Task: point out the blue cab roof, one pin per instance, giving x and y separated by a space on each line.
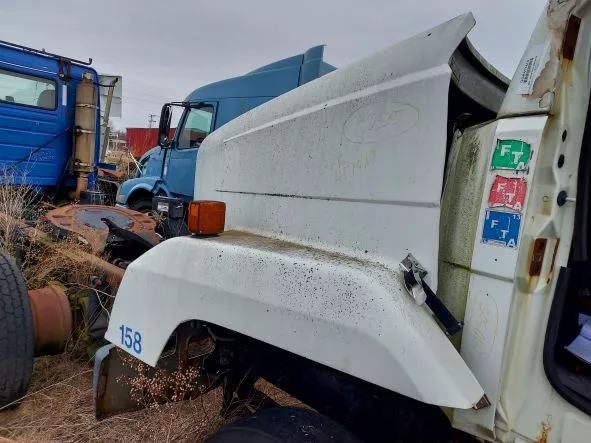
270 80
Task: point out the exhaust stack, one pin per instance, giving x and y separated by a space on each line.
85 120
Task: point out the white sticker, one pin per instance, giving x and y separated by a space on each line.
536 59
162 207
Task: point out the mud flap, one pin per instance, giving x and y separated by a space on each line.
122 383
111 396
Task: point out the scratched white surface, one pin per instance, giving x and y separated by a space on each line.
351 162
492 282
349 314
347 172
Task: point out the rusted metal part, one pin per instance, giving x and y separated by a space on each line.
484 402
557 15
109 173
111 394
52 319
540 263
570 37
546 428
116 373
537 257
113 274
85 222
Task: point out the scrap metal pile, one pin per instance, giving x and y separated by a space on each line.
44 319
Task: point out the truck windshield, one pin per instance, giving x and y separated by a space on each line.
196 126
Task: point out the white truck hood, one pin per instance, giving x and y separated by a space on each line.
350 163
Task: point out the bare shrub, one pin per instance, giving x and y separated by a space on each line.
151 387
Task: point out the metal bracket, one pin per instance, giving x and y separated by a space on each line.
484 402
413 278
414 274
65 69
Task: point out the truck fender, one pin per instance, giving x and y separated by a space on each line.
152 185
338 311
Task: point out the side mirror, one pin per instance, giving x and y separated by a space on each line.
164 126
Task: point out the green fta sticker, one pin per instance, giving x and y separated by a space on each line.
511 154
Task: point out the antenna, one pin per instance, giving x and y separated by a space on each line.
151 120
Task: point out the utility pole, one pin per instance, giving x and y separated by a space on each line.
151 119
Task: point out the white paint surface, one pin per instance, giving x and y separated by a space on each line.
492 281
351 162
350 314
338 180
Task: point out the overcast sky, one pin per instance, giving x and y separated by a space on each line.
165 49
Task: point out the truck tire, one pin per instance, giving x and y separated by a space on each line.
284 425
142 205
16 333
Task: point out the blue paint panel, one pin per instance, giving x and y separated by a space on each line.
270 80
501 228
23 129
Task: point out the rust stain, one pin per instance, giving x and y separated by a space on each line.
546 428
557 15
551 270
570 37
536 256
567 66
546 205
535 262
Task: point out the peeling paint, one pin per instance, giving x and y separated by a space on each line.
546 428
536 258
540 263
557 15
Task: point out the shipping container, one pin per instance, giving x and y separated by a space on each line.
140 140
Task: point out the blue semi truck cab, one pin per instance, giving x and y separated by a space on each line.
170 170
49 122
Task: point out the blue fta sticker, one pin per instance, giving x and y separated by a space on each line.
501 228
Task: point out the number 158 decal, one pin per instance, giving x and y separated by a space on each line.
131 339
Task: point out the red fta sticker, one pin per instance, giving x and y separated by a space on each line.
508 193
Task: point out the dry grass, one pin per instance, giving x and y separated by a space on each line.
22 210
59 408
18 204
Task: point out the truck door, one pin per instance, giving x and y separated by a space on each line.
31 125
179 169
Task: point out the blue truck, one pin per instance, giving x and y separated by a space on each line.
170 170
49 122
